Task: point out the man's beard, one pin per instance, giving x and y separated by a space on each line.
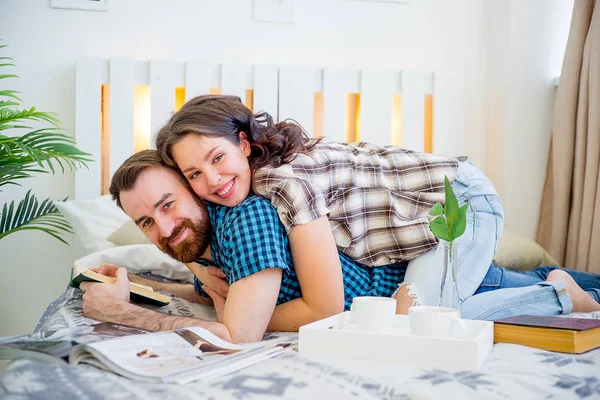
194 245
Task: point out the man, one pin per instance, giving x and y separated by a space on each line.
250 244
158 200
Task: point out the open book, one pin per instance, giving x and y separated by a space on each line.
179 356
139 293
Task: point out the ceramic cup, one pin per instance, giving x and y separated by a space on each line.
371 313
436 322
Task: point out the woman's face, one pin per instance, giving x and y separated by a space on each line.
217 169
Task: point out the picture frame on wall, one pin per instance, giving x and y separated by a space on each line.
91 5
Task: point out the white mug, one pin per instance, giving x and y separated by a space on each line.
371 313
436 322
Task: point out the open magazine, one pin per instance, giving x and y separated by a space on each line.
179 356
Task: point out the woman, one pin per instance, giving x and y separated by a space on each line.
370 202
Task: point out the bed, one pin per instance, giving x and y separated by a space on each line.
119 101
511 371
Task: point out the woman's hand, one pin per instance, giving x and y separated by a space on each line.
218 301
213 278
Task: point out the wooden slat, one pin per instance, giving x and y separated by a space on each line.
376 97
297 86
337 83
266 86
449 115
200 78
88 123
235 79
413 109
162 94
122 82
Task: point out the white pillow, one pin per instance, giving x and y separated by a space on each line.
128 233
137 259
93 220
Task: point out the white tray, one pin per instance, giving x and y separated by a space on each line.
332 339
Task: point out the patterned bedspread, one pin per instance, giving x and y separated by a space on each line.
510 371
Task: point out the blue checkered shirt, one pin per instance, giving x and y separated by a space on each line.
250 238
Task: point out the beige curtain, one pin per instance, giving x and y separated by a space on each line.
569 225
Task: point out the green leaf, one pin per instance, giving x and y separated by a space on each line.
10 116
10 93
461 223
436 210
439 228
30 215
451 206
4 103
35 151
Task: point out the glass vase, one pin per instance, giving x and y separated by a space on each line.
449 287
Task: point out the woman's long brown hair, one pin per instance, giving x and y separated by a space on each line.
225 117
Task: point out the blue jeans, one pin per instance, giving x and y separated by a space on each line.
476 247
501 278
505 293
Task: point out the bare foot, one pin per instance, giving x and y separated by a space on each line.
404 300
582 302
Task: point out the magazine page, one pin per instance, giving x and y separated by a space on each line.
58 344
179 356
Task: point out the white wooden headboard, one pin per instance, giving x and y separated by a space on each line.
284 92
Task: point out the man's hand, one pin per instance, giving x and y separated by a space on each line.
106 269
214 278
104 301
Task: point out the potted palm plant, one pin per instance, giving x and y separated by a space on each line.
26 150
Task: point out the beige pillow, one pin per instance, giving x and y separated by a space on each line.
518 252
128 234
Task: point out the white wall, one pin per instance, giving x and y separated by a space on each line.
526 44
433 34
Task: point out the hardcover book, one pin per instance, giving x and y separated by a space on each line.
566 335
138 293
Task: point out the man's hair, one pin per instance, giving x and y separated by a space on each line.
129 172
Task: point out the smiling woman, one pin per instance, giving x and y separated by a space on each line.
223 176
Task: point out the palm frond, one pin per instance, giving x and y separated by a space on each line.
42 146
11 94
6 103
10 174
5 76
8 117
36 151
32 215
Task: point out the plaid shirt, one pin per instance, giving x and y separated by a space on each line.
377 198
250 238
